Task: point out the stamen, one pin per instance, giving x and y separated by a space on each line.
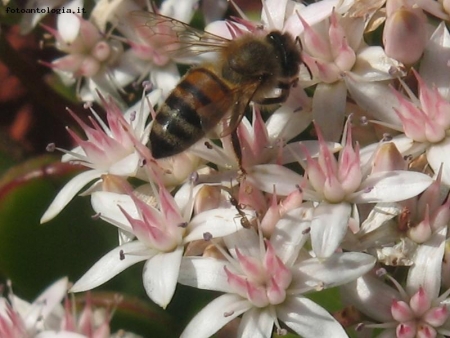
50 147
228 314
133 116
368 189
386 137
207 236
194 177
147 85
381 272
359 327
281 332
239 10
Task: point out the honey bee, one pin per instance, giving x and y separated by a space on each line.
254 67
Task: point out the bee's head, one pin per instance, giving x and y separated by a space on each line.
287 52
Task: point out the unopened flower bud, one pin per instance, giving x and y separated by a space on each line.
207 198
404 35
387 157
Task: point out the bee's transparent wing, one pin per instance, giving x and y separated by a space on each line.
173 37
221 118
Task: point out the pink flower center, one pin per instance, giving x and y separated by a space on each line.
261 281
418 318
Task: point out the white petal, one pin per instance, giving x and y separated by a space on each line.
434 64
290 235
439 154
111 264
266 176
215 154
309 319
46 302
180 10
68 23
373 64
115 13
246 240
328 227
336 270
106 204
293 117
426 271
354 28
217 222
29 21
129 66
215 315
204 273
66 194
329 103
391 186
312 14
379 215
374 97
256 323
165 78
371 296
127 166
141 108
102 82
184 198
276 11
313 147
160 276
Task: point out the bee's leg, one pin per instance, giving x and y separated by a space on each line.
237 150
284 88
274 100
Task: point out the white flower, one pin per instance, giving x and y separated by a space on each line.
336 185
264 280
160 238
109 149
416 311
20 319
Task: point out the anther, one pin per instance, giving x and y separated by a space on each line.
50 147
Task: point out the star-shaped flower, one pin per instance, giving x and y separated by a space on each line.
264 280
416 311
160 232
109 149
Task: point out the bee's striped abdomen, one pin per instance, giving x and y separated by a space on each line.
184 118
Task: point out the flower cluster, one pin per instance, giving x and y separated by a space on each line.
262 213
46 317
